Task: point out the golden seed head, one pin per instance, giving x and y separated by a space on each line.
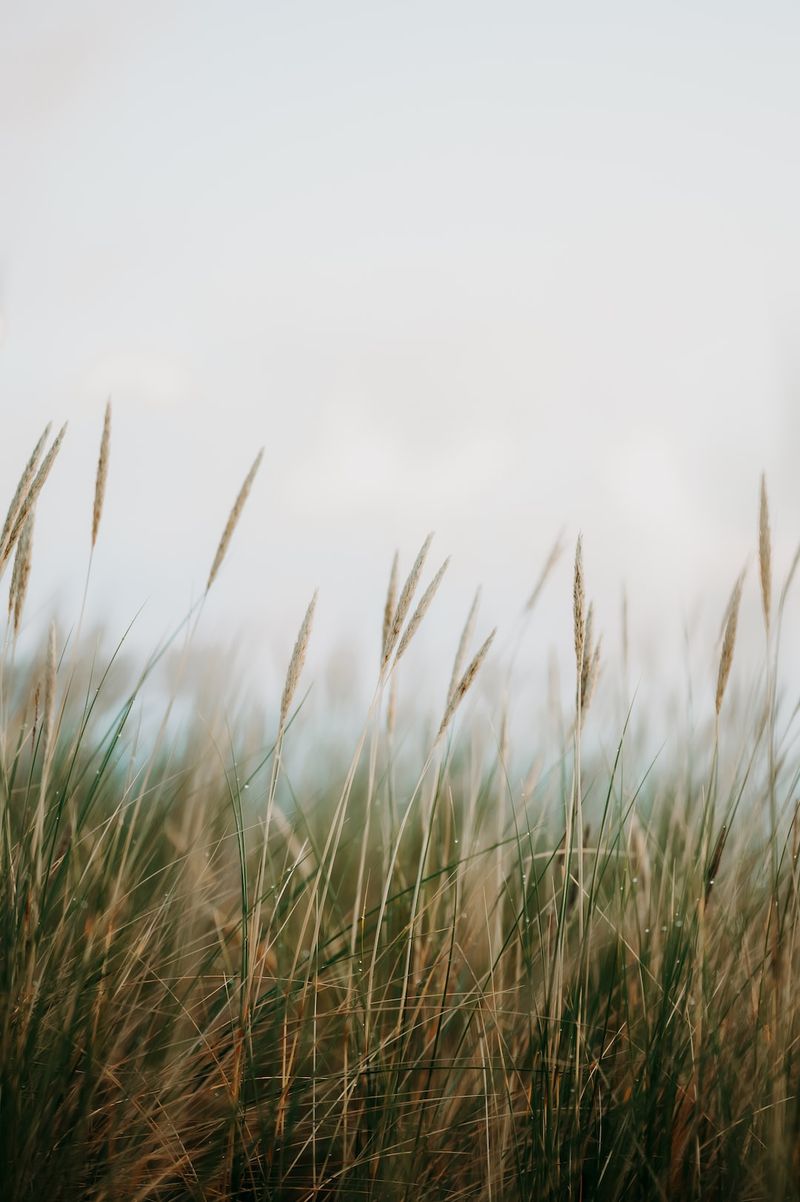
421 610
728 641
406 597
463 643
233 518
578 602
391 602
21 571
22 488
102 473
28 490
464 683
297 661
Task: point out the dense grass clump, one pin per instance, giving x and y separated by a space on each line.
222 980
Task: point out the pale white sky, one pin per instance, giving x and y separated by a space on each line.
485 268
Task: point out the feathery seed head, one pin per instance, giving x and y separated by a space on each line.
464 683
233 518
406 597
21 571
421 610
22 487
297 661
102 473
728 641
464 642
391 601
578 602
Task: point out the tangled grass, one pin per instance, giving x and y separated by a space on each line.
442 984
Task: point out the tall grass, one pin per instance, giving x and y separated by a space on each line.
222 980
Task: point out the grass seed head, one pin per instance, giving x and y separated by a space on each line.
421 610
20 575
578 603
297 661
31 496
463 643
464 683
728 641
406 597
102 473
391 602
553 557
233 518
22 487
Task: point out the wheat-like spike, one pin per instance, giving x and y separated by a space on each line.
21 572
22 488
588 636
578 602
102 473
391 601
233 518
728 641
765 552
464 683
31 496
421 610
591 677
553 557
464 642
406 597
297 661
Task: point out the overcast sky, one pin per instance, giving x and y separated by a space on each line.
491 269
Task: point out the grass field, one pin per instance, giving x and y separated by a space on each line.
445 981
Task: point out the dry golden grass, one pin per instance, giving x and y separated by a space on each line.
506 964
